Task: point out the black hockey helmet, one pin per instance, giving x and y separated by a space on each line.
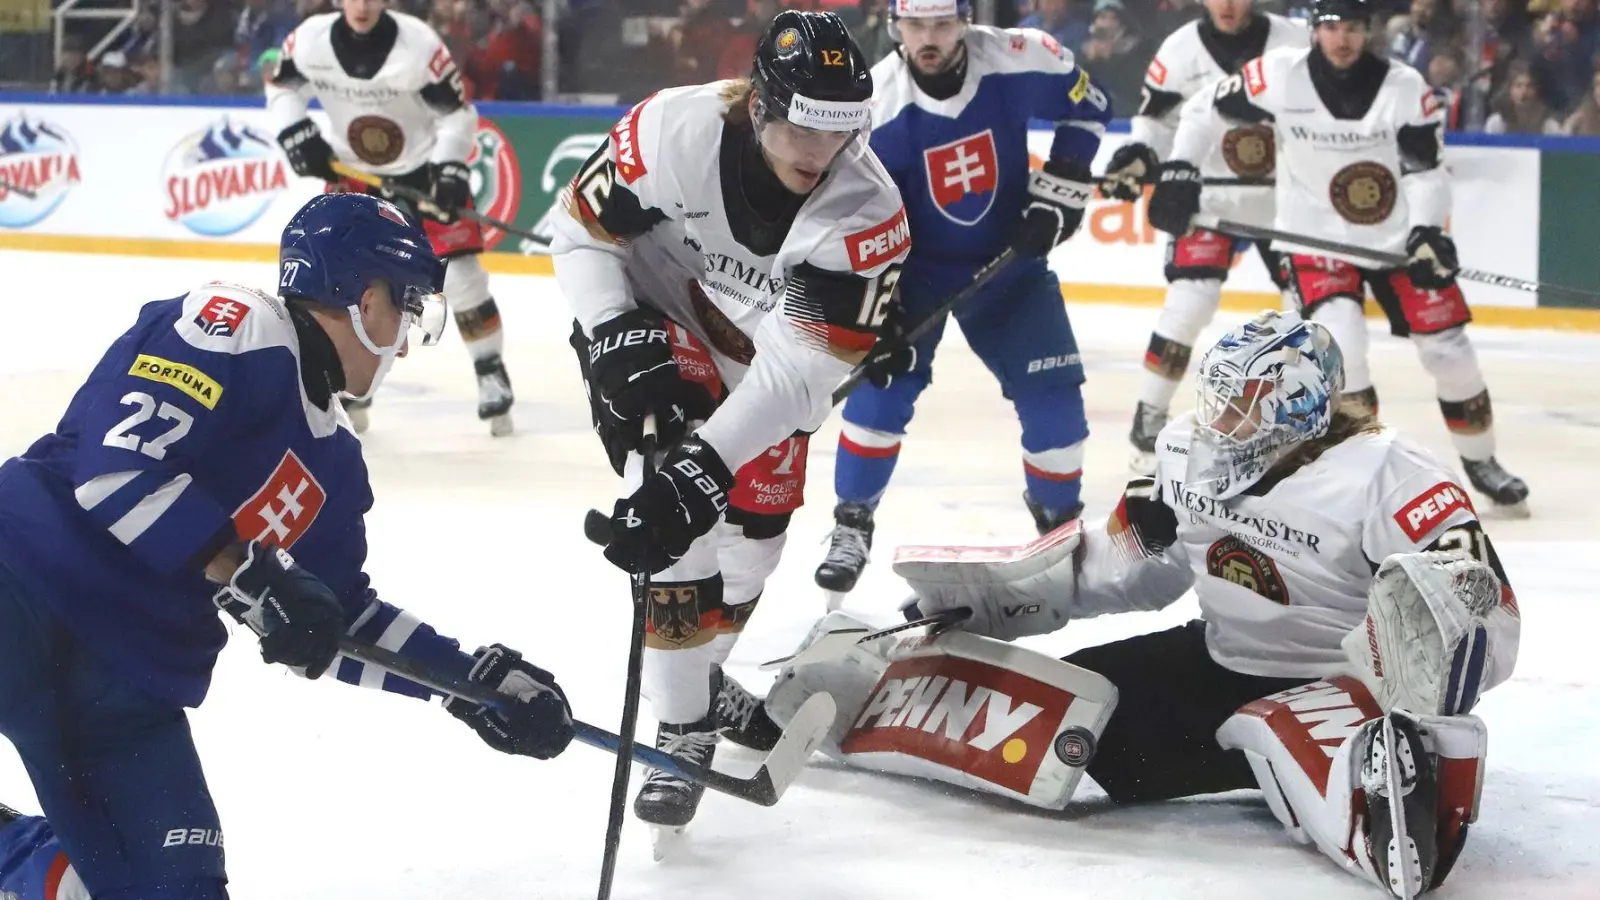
1340 10
810 55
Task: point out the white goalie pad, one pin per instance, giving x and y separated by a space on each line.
1425 646
958 708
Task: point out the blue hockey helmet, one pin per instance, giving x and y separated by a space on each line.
339 244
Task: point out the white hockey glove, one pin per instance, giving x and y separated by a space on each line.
1423 646
1012 591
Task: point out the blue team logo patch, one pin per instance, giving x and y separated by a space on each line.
962 177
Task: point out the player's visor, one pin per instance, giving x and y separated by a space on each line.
814 132
420 309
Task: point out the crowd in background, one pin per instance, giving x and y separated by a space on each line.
1510 66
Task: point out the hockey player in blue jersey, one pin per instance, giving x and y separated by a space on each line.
950 123
206 444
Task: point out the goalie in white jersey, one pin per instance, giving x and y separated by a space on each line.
1341 575
397 108
730 254
1193 59
1359 147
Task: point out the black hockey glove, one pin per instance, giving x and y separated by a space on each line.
684 499
1130 167
1434 263
536 719
893 355
1176 199
298 618
450 187
1057 195
309 155
631 374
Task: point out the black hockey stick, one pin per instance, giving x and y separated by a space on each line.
979 280
7 187
837 643
630 694
425 204
1396 260
765 787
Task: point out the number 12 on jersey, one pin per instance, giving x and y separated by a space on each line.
875 301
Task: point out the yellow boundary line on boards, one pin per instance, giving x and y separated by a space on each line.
1554 318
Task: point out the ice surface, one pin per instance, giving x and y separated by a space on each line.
330 791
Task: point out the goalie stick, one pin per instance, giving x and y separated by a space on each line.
836 644
1396 260
425 204
778 770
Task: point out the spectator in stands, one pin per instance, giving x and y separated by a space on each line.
1586 120
695 45
1062 19
740 49
1446 72
1520 108
74 73
1565 42
143 37
202 30
1415 36
869 25
1116 56
148 69
262 24
506 64
112 75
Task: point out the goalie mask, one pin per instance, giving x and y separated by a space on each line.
1265 388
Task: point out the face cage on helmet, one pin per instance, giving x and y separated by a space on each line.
1240 434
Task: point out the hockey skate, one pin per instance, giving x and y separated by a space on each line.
1400 777
849 546
1147 423
494 395
742 717
356 409
1507 492
1047 521
667 802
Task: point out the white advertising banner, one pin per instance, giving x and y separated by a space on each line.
215 175
1495 223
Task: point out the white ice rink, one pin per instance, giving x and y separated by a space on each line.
329 791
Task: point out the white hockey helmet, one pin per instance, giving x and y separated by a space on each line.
927 9
1266 387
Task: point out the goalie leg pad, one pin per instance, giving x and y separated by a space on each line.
967 710
850 678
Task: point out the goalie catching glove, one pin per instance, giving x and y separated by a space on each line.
1012 591
535 720
297 617
1424 646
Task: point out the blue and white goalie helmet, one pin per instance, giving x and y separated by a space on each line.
1267 386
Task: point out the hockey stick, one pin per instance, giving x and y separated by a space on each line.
630 694
836 644
7 187
425 204
1396 260
979 280
765 787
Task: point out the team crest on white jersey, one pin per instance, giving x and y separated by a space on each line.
963 175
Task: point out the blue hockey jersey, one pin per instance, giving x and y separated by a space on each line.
962 163
193 428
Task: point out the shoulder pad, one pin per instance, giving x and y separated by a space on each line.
309 34
862 219
229 318
1019 50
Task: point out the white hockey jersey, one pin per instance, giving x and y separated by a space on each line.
658 218
1362 179
1192 59
1282 576
409 110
